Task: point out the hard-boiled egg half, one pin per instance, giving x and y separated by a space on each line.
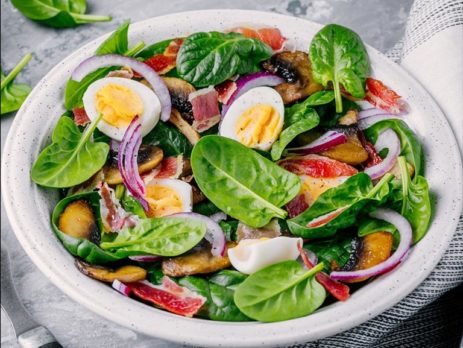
168 196
251 255
255 119
119 100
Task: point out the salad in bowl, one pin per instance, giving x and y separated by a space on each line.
230 177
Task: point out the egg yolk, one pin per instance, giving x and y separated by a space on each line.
259 124
162 201
118 104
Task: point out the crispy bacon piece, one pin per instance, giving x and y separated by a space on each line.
373 157
169 296
382 97
205 106
297 206
164 62
114 217
317 166
80 116
338 290
225 90
270 36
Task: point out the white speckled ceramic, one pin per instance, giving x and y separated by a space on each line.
29 207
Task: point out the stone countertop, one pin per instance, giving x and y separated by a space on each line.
379 23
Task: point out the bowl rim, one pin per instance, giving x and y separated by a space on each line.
255 333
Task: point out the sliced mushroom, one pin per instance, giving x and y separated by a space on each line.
149 157
179 91
198 262
184 127
78 221
296 69
108 275
351 152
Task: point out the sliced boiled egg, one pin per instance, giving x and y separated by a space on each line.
119 100
255 119
251 255
168 196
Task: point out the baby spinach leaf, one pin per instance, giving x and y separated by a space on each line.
409 143
58 14
369 225
279 292
71 158
117 42
155 274
206 208
167 236
206 59
13 95
336 249
82 248
229 228
416 205
130 204
292 130
345 202
169 139
339 56
156 48
240 182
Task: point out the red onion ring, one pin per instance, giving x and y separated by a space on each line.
325 142
247 82
405 231
369 121
93 63
387 139
121 287
214 233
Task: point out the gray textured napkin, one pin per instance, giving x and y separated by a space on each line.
432 315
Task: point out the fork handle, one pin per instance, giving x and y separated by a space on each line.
39 337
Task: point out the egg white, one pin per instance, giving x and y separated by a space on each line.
151 106
183 189
251 255
258 95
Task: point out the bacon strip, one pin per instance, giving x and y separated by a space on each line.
382 97
169 296
225 90
317 166
164 62
270 36
205 106
114 217
80 116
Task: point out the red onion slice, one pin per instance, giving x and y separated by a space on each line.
214 233
387 139
325 142
247 82
145 258
121 287
369 121
127 161
405 231
93 63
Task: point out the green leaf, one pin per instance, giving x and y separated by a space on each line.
305 123
409 143
156 48
167 236
369 225
229 228
12 96
339 57
348 200
117 42
279 292
58 13
71 158
337 249
130 204
240 182
82 248
169 139
206 59
206 208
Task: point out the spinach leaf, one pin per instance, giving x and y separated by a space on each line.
71 158
229 228
339 56
329 117
368 225
130 204
82 248
409 143
169 139
279 292
156 48
117 43
345 202
155 274
58 14
240 182
168 236
205 208
292 130
13 95
206 59
416 205
219 291
336 249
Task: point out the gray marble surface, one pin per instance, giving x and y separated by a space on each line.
380 23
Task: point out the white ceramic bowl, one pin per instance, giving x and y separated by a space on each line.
29 206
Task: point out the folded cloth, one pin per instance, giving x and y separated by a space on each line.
432 51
